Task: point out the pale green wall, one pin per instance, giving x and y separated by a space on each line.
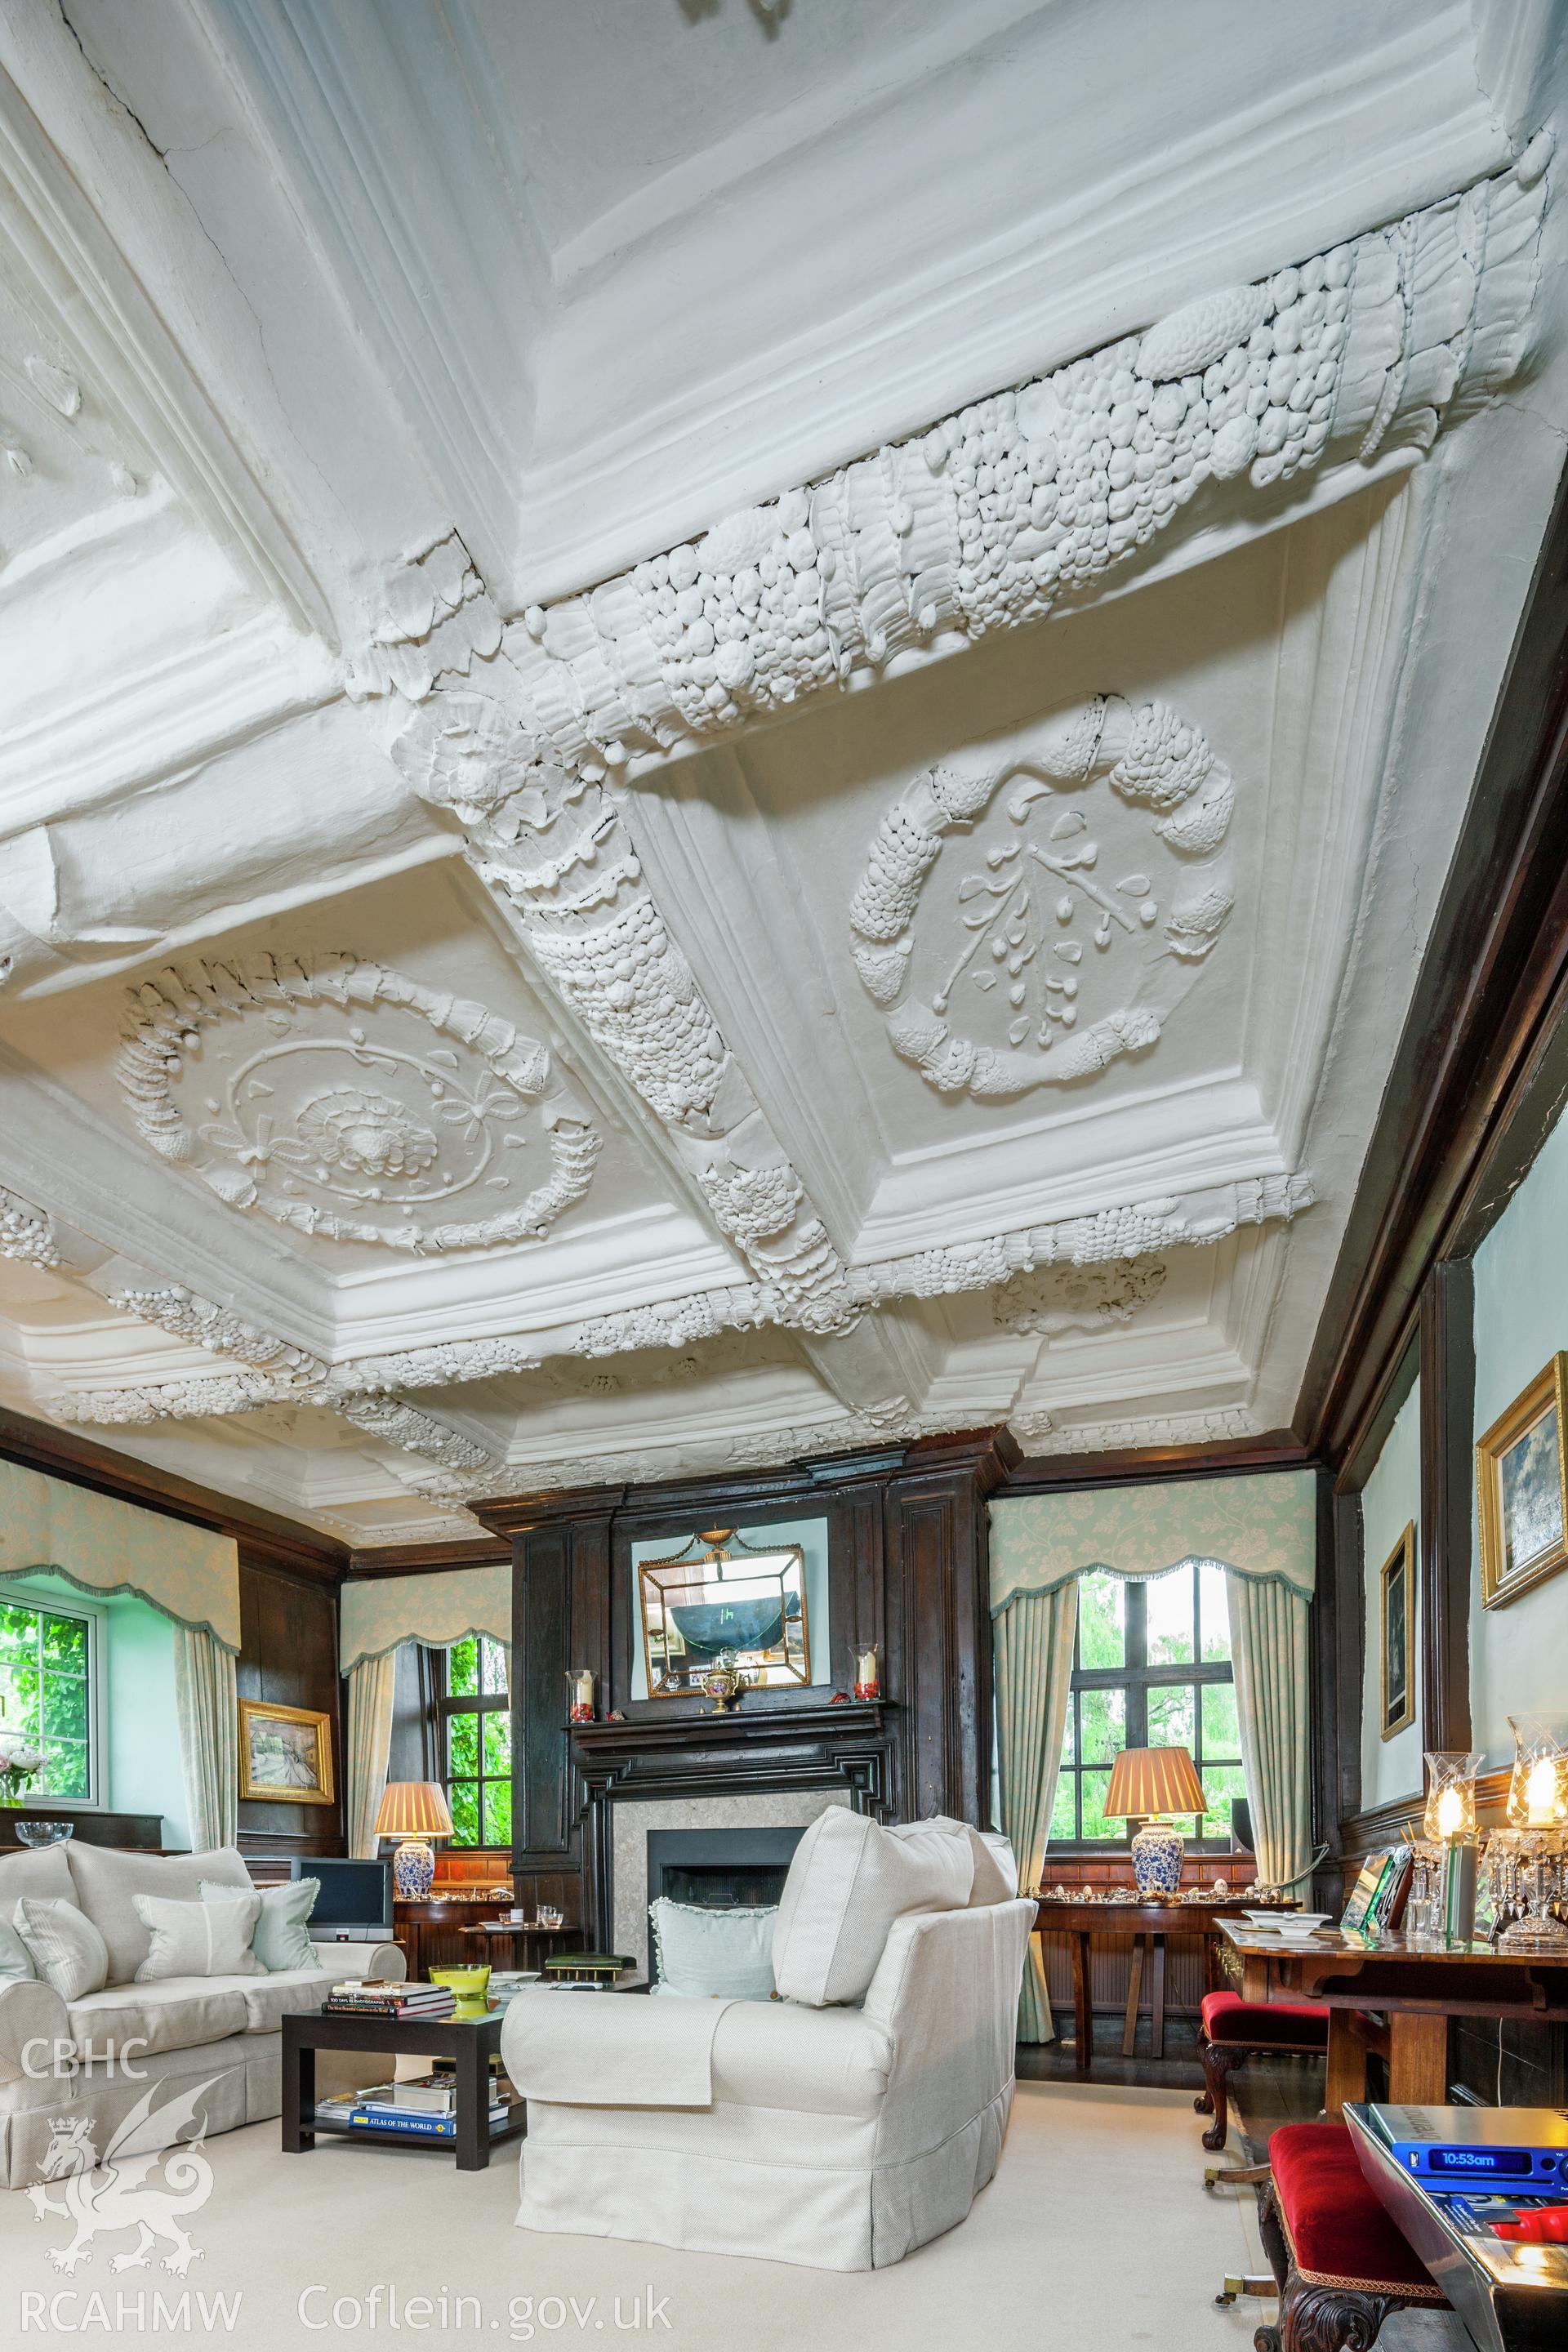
141 1754
811 1535
1391 1500
143 1733
1519 1656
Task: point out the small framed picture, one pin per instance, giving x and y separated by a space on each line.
285 1754
1377 1900
1522 1489
1398 1584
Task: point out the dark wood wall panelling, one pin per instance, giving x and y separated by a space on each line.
908 1570
289 1654
1480 1081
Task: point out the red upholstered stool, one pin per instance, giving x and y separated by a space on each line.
1235 2028
1341 2263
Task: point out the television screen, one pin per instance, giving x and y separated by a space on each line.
354 1894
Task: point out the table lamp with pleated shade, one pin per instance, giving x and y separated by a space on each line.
1146 1782
415 1811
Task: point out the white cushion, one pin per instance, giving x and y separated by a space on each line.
848 1883
177 2013
199 1940
105 1877
63 1944
269 1998
704 1951
43 1871
282 1943
995 1863
995 1868
16 1960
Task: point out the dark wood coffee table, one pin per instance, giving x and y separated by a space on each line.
469 2044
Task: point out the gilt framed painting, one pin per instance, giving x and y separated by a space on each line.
285 1754
1398 1623
1522 1489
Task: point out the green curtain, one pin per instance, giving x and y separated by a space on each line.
207 1712
1033 1642
372 1686
1269 1648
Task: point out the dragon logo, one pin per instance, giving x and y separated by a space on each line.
147 2179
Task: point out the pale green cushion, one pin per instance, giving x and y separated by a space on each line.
281 1940
14 1958
703 1952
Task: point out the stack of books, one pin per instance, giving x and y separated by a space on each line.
599 1969
384 1997
424 2108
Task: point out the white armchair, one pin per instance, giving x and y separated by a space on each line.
841 2137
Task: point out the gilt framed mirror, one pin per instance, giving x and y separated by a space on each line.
718 1600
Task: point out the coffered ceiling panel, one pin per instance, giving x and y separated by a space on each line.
729 730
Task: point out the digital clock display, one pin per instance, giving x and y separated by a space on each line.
1513 2162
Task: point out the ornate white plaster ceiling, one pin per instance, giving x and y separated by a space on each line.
559 919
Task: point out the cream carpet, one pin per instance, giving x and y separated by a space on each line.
1095 2233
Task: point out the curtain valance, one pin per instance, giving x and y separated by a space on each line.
106 1545
1263 1526
380 1611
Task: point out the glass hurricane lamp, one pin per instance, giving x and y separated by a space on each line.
1450 1817
1532 1871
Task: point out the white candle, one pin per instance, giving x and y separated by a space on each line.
1541 1793
1450 1814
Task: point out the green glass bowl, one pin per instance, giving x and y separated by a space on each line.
471 1986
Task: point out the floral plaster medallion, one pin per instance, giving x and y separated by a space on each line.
349 1101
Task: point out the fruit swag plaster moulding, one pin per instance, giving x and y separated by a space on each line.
982 522
1120 1240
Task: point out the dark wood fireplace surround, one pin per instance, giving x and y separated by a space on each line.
908 1570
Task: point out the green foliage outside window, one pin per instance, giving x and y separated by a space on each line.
1151 1669
476 1715
45 1691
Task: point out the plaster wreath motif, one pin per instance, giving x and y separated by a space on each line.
338 1077
1048 924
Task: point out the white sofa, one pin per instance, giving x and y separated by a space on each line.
840 2133
89 2064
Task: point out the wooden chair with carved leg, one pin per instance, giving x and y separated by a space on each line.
1234 2030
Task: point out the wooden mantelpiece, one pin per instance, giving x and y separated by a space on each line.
663 1753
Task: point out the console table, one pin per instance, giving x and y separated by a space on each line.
1417 1983
1148 1924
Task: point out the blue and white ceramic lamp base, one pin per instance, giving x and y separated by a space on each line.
1157 1852
413 1871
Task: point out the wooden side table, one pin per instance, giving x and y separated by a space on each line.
469 2044
526 1937
1417 1983
1148 1924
